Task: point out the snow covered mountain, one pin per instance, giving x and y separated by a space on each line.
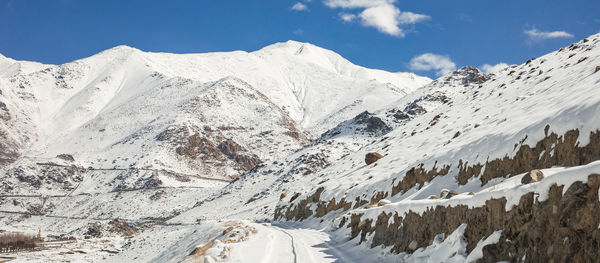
214 114
448 187
457 178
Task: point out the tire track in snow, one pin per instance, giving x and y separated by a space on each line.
293 245
308 245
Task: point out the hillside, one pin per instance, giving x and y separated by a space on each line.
449 185
124 108
456 181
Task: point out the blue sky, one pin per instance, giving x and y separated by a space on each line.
428 37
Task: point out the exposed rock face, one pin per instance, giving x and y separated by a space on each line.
217 142
563 228
597 69
372 124
121 227
235 152
418 175
372 157
472 75
532 177
300 211
364 123
65 177
550 151
523 226
565 152
199 147
414 109
202 148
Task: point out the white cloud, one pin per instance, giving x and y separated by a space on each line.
356 3
299 7
347 17
487 68
380 14
384 18
406 18
299 32
535 35
428 61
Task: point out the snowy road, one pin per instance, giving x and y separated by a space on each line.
282 244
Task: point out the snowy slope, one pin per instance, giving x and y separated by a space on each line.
104 110
462 119
467 132
142 137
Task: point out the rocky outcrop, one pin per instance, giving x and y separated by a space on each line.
237 153
301 210
66 177
121 227
202 148
418 176
532 177
549 151
563 228
472 75
363 124
552 150
372 124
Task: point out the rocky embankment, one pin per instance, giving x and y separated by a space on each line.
562 227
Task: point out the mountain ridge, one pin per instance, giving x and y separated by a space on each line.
453 173
65 101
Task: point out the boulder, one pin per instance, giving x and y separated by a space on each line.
372 157
532 177
597 69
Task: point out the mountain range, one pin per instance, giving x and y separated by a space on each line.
292 153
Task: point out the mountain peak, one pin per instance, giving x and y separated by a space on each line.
290 46
467 75
120 50
123 47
